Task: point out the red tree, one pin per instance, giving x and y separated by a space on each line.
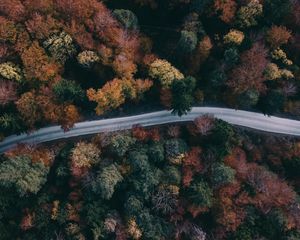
250 73
13 9
191 165
8 92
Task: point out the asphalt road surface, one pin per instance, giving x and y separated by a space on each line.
252 120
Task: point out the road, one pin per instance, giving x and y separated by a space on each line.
252 120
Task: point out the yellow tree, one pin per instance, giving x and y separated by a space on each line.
110 96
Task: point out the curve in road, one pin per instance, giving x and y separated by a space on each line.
236 117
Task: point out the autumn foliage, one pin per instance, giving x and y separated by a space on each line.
249 74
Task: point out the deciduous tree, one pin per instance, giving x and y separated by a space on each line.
110 96
21 173
226 8
8 92
278 35
250 73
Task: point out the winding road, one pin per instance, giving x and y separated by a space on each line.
252 120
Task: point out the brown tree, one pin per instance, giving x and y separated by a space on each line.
29 109
278 35
227 9
8 92
13 9
191 165
250 73
37 64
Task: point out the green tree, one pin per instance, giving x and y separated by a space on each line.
172 175
187 42
200 194
127 18
120 144
10 123
156 153
26 177
231 56
133 206
153 227
61 46
106 181
248 98
174 148
248 15
138 161
222 134
182 95
221 174
68 90
217 78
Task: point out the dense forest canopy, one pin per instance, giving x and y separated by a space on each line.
62 61
197 181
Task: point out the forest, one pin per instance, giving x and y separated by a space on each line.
66 61
197 181
62 61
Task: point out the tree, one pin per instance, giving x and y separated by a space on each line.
87 58
279 54
187 42
250 73
231 56
61 46
165 72
248 15
41 26
203 125
226 8
278 35
36 154
222 135
172 175
110 96
10 123
8 92
193 24
200 194
14 9
138 161
68 90
248 99
174 148
234 37
8 31
221 174
85 155
11 71
21 173
182 95
37 64
107 181
120 144
156 153
192 165
127 18
200 54
29 109
164 201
